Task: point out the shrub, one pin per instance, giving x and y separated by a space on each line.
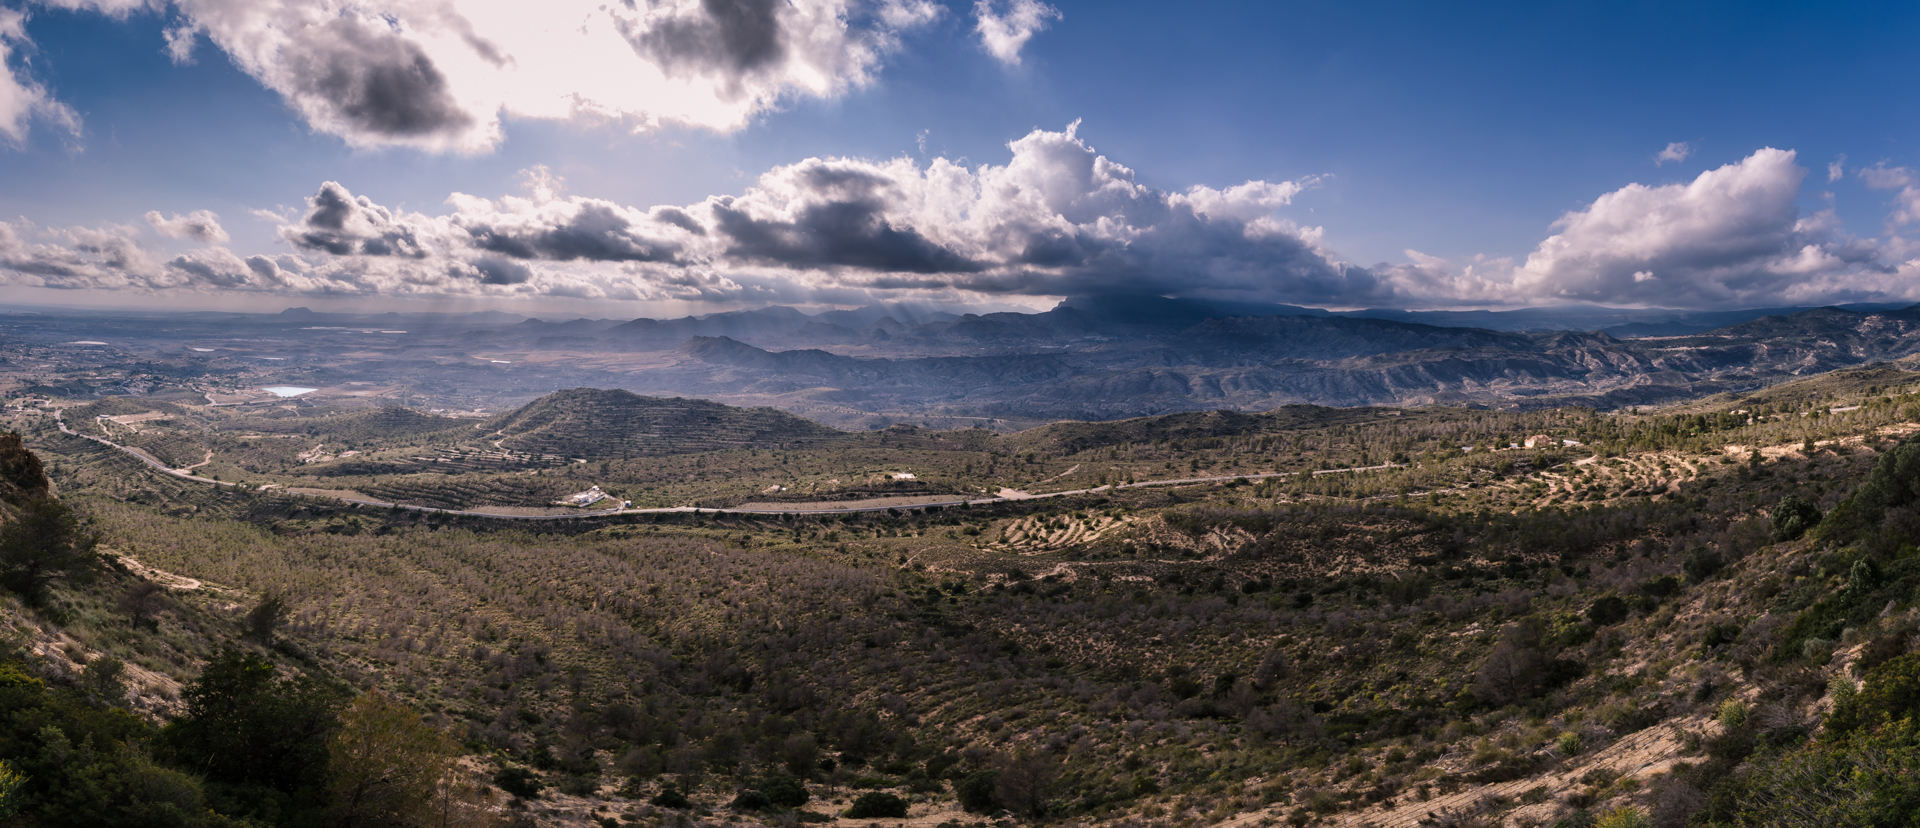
1792 517
1891 692
750 801
1701 564
975 790
786 792
1625 816
1607 611
1733 714
670 797
878 805
518 782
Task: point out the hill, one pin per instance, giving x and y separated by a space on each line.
592 424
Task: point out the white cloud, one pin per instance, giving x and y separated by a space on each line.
1907 184
1836 169
1676 151
1734 236
1057 219
23 100
1711 241
199 225
440 74
1004 35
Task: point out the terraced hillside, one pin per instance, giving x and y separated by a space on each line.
598 424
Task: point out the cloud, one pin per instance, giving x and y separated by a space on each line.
1004 35
1836 169
199 225
22 100
1734 236
340 224
1676 151
440 75
1056 219
1905 181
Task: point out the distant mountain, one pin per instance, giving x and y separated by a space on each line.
592 423
1260 363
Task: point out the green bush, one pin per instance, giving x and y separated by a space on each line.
1792 517
878 805
786 792
975 790
1864 779
1891 693
1894 482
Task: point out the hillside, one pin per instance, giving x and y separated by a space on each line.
596 424
1700 616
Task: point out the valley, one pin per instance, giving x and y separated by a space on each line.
1307 615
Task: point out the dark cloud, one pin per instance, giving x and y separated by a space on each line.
495 271
838 234
375 81
729 37
339 224
596 232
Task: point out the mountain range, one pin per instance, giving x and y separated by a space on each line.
1105 358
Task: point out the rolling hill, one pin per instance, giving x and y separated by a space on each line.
591 423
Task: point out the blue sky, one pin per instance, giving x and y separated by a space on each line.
1413 154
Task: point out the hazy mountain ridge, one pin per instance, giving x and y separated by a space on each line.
1256 363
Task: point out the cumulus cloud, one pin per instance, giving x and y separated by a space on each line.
1836 169
440 74
199 225
1004 35
1676 151
23 100
1056 219
1733 236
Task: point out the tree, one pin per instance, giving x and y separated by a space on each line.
384 764
21 474
1026 783
104 681
975 790
259 737
266 617
11 783
143 601
41 545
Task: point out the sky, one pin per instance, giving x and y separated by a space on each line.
661 157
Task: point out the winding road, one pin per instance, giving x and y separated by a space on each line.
1003 496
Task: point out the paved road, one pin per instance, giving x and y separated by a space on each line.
1005 495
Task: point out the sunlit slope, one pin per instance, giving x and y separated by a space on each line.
590 423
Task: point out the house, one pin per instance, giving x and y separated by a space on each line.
1540 441
586 498
904 476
